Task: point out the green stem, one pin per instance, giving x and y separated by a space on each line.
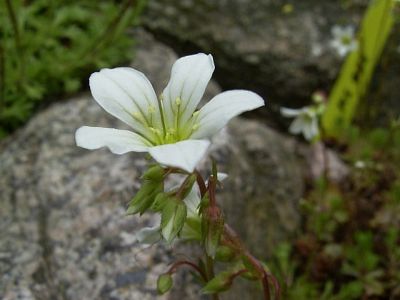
2 78
14 24
101 40
17 40
210 273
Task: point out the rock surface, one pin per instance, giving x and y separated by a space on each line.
256 45
64 233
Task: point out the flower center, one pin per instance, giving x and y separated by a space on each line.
346 40
163 132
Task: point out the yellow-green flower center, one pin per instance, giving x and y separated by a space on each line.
166 132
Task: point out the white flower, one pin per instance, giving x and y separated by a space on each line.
306 121
359 164
169 128
343 40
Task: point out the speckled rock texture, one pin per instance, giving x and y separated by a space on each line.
283 56
63 229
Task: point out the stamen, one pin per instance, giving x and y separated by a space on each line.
151 109
195 127
139 117
196 114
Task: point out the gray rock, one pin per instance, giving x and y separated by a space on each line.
64 233
284 57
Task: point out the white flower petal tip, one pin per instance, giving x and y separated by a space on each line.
222 176
118 141
184 155
189 78
289 112
124 93
222 108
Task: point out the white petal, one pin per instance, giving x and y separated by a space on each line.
125 92
337 31
189 78
308 132
223 107
289 112
118 141
184 155
314 130
149 235
348 31
297 125
222 176
192 201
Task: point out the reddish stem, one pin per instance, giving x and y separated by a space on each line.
201 183
177 264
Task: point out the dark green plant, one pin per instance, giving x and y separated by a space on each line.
48 48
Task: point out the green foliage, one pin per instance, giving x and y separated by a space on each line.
357 70
48 49
350 246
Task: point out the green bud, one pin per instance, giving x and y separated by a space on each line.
154 173
224 254
220 283
212 229
159 202
145 197
164 283
173 218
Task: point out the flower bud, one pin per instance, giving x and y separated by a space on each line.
173 218
154 173
224 254
164 283
212 227
145 197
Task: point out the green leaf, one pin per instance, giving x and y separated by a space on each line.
164 283
192 229
212 229
145 197
173 218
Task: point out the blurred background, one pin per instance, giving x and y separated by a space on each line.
323 211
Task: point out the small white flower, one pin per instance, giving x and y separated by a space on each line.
305 122
169 128
344 40
359 164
